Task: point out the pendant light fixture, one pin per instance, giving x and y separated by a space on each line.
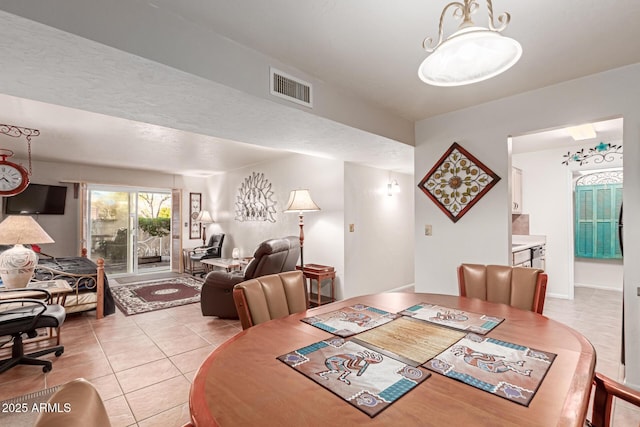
472 53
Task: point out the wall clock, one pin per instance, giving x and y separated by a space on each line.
13 177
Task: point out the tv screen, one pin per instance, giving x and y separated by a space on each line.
37 199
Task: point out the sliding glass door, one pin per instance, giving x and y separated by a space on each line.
129 228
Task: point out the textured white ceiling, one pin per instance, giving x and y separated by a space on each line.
608 131
370 48
373 47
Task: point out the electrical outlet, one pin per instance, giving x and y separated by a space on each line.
352 228
428 230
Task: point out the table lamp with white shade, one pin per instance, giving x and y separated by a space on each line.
18 263
300 201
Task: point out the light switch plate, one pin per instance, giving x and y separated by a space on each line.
428 231
352 228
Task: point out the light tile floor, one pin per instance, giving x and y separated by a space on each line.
143 365
597 314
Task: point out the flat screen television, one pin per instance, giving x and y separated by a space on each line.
37 199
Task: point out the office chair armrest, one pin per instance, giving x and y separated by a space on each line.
47 295
15 312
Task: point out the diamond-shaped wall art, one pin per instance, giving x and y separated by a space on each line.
457 182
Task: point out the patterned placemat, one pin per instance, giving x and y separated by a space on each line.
453 318
368 380
351 320
411 341
508 370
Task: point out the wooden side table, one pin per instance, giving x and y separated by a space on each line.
319 273
189 266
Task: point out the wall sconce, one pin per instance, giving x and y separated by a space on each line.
393 188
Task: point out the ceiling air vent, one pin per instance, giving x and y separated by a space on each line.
290 88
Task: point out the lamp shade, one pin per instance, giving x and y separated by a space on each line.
469 55
300 201
18 263
22 229
204 217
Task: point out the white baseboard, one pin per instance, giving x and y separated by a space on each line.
559 296
604 288
406 288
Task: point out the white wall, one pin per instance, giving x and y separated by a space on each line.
379 252
64 229
483 234
377 257
547 194
601 274
323 230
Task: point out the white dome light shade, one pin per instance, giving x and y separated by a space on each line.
468 56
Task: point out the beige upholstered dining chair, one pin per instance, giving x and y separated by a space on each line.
270 297
520 287
78 403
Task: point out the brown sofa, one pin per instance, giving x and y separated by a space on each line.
272 256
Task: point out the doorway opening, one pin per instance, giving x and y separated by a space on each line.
551 161
129 228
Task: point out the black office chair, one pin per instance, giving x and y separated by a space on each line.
213 249
20 316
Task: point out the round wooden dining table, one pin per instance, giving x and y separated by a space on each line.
242 383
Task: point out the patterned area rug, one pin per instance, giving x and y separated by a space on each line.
154 295
22 411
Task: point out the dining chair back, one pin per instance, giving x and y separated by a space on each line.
520 287
605 390
269 297
78 404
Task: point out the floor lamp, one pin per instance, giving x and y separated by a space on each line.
300 201
204 218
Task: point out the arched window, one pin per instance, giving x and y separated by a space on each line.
598 199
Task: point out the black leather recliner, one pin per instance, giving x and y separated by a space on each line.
24 316
272 256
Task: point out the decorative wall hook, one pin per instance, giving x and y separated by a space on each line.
601 153
17 132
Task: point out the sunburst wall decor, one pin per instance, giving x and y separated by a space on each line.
254 201
457 182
